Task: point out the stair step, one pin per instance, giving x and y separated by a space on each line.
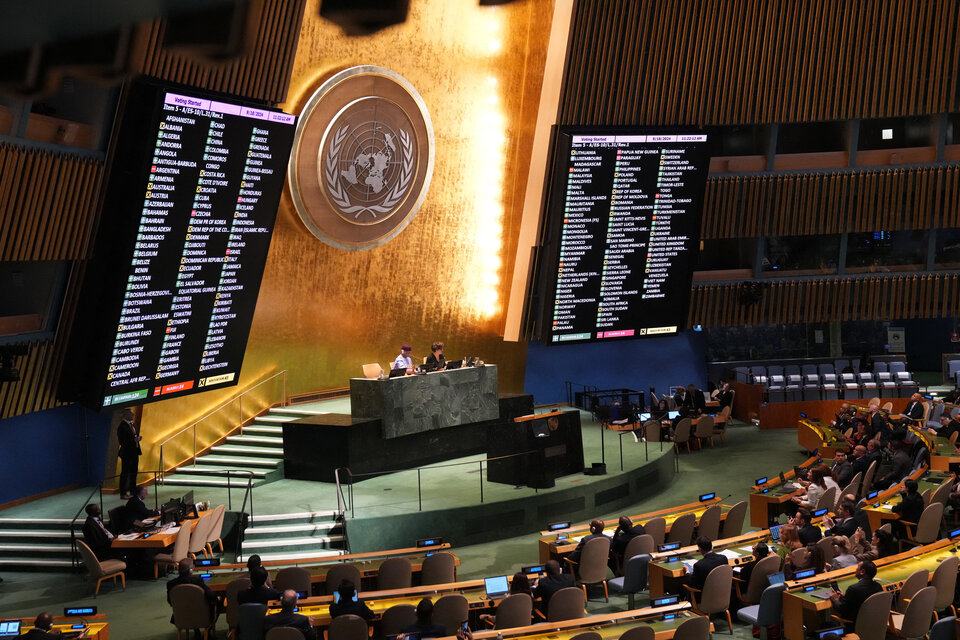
195 481
202 470
242 449
303 515
15 522
292 542
239 461
34 563
27 533
323 553
295 411
270 417
263 429
255 440
291 529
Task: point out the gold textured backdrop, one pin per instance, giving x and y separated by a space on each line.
323 312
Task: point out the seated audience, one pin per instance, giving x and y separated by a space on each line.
948 426
254 561
596 531
186 576
848 519
258 591
902 465
551 583
425 625
910 507
724 395
626 531
348 604
287 618
136 509
814 490
848 604
806 531
789 540
42 628
519 583
842 469
809 557
96 534
703 566
843 555
914 408
760 551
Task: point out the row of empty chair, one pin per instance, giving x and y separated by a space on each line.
796 383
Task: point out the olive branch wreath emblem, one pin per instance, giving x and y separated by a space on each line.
339 194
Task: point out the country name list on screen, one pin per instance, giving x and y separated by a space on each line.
629 234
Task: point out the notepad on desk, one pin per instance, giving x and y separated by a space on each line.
128 536
730 554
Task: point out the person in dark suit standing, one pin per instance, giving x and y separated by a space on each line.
137 509
129 441
186 576
551 583
914 408
706 564
596 531
287 618
42 628
848 604
258 592
349 603
96 534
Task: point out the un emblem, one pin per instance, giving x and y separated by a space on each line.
362 158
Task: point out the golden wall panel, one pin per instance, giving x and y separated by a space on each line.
323 312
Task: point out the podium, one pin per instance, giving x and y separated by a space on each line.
551 445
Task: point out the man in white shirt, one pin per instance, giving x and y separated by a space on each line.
404 360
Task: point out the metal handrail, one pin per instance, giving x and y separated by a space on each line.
238 397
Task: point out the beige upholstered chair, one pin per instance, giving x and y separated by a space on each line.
914 622
944 579
587 635
372 371
704 430
750 592
868 479
566 604
284 633
181 547
826 547
440 568
872 618
396 618
190 609
592 568
733 524
296 578
914 582
642 632
656 528
232 604
694 629
851 489
715 597
709 523
720 425
927 530
638 545
216 529
450 610
338 573
682 529
198 535
682 434
347 627
395 573
828 499
101 571
514 611
651 430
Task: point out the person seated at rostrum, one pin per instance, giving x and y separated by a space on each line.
346 603
136 509
425 625
258 592
96 534
551 583
286 617
848 604
405 359
436 358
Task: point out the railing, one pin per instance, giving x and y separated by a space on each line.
581 389
235 404
347 503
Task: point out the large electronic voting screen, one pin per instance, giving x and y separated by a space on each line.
623 229
193 188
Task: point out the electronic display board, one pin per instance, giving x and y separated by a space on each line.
192 195
622 232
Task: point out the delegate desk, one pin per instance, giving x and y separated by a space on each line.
881 506
768 497
803 607
815 435
413 404
367 563
610 626
551 547
158 538
93 626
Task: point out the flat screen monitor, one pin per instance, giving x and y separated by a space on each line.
429 542
621 233
192 187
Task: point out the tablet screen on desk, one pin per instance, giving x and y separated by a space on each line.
496 586
9 628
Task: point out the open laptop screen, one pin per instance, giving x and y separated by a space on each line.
9 628
496 586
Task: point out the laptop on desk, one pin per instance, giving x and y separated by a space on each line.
9 628
496 587
454 364
396 373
